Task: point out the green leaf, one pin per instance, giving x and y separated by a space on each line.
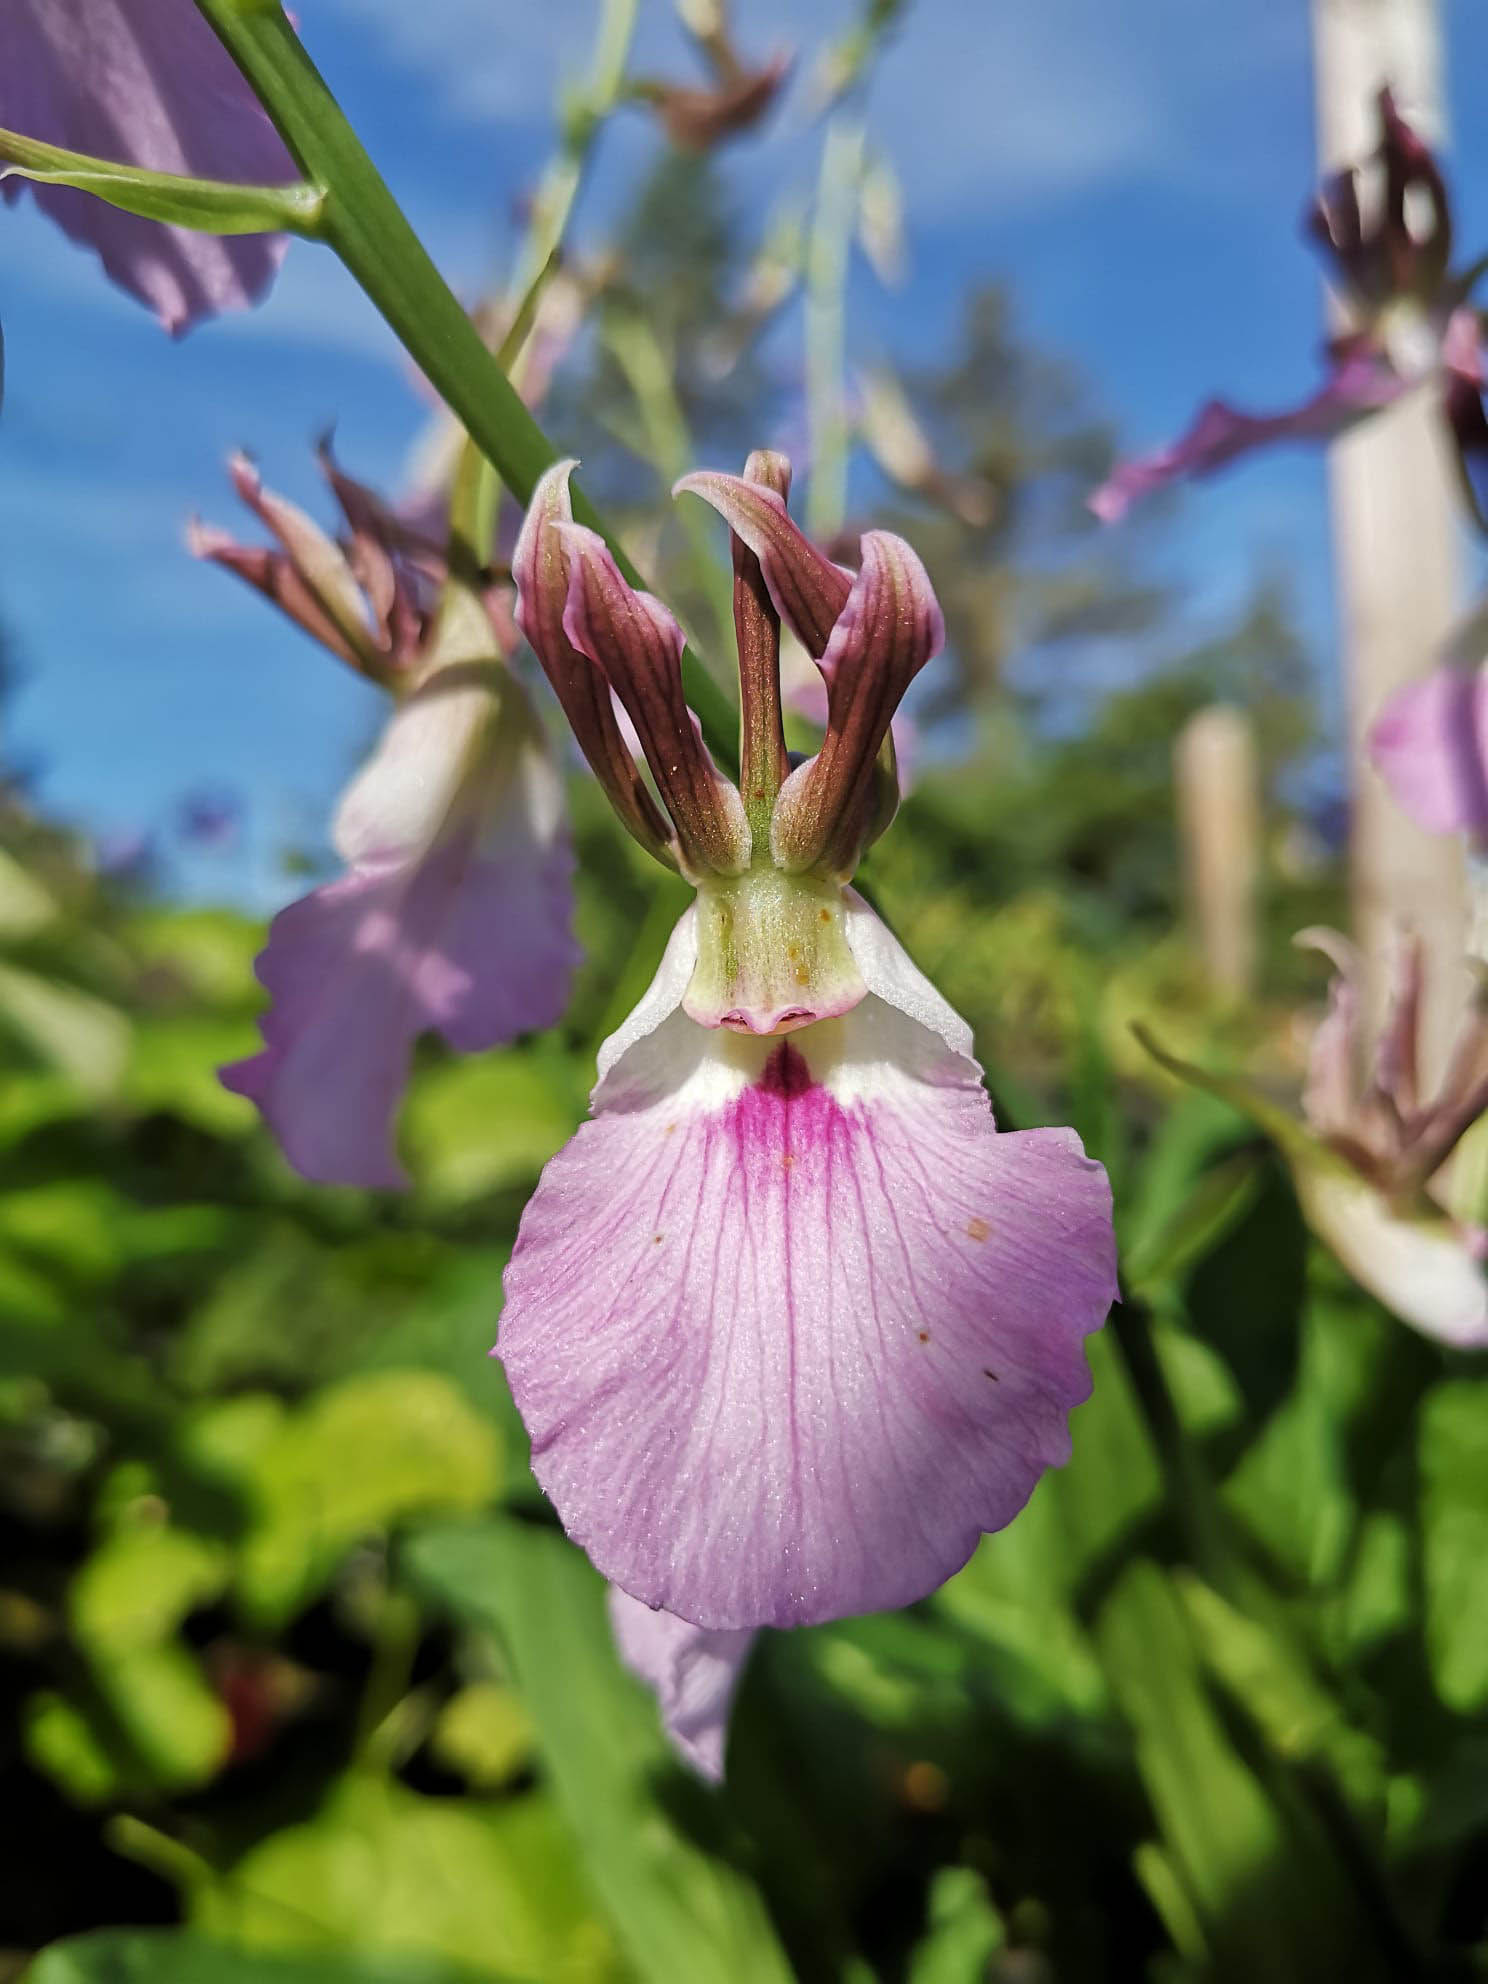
682 1911
74 1031
1244 1096
965 1931
1212 1207
166 1956
472 1127
146 1722
1280 1693
360 1456
1454 1499
167 1712
138 1586
62 1741
1255 1870
210 206
491 1887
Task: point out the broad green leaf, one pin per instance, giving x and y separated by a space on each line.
173 1066
491 1887
681 1911
80 1034
472 1127
1454 1520
139 1584
360 1456
169 1956
148 1723
27 905
168 1714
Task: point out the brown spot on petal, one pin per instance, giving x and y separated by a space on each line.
992 1375
670 1130
825 915
977 1229
656 1239
787 1160
924 1336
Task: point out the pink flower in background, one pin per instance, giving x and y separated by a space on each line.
1381 1208
789 1321
1430 745
147 83
455 913
1373 1160
1412 326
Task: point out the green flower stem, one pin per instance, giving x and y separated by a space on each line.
365 226
208 205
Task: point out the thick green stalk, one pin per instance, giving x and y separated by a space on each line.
365 226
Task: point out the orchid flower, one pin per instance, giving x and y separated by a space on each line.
1411 327
146 83
455 912
1370 1161
789 1321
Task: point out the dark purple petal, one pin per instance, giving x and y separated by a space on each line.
145 82
1415 262
889 628
540 571
637 644
1362 383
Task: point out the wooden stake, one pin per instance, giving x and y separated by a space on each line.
1395 540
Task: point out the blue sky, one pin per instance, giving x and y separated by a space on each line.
1134 177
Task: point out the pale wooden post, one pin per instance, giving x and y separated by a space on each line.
1395 537
1215 784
